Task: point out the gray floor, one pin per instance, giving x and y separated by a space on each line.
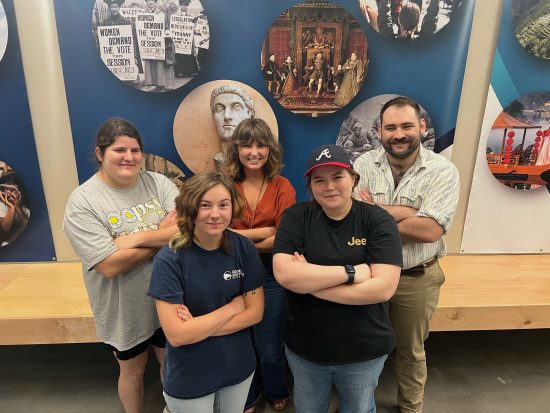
469 372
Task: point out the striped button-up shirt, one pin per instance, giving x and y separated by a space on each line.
431 186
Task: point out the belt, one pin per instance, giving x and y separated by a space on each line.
419 270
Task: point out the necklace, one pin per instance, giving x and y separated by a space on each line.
251 223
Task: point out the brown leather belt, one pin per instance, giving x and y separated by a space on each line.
419 270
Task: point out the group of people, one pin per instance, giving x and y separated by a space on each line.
345 78
231 278
401 19
158 74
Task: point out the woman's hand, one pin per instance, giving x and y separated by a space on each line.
362 273
169 219
183 313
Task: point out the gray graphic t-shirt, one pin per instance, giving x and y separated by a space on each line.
95 215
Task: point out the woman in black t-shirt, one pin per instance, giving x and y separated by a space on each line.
340 261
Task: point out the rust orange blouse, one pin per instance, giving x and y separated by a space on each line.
278 196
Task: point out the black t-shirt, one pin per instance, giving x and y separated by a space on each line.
327 332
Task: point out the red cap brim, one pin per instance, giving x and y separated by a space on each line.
343 165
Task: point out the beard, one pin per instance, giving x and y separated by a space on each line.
413 141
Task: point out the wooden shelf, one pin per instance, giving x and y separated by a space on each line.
46 303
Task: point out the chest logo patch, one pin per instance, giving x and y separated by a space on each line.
357 241
233 275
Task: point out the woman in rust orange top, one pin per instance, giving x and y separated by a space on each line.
253 160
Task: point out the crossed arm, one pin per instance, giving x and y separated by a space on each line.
373 284
412 228
261 237
181 328
135 248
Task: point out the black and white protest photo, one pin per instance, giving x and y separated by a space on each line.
152 45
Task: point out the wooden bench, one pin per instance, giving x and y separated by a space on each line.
46 303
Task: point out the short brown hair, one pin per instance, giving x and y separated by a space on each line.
400 102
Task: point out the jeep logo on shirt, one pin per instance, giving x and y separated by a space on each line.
357 241
233 275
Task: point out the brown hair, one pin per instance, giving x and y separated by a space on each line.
188 201
112 129
249 131
354 174
400 102
409 16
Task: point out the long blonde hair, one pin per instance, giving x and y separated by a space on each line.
188 201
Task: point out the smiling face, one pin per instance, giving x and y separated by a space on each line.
401 131
253 156
121 162
229 110
213 215
332 187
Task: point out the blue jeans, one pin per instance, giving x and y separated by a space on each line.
230 399
354 382
268 342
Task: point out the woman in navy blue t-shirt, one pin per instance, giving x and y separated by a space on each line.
208 289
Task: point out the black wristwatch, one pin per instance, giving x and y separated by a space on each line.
350 269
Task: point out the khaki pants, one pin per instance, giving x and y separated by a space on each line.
411 309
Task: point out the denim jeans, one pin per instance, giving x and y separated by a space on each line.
230 399
354 382
267 336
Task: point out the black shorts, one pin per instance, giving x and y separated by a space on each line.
158 340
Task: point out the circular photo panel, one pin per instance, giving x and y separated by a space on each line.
408 19
152 45
360 131
3 31
314 58
531 22
155 163
207 117
518 146
14 205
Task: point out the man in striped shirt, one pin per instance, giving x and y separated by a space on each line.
420 190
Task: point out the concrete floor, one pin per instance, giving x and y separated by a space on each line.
469 372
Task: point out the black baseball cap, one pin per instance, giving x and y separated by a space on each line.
328 155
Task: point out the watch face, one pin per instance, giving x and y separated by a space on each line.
350 268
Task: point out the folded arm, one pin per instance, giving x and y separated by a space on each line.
252 314
420 229
301 277
379 288
195 329
122 261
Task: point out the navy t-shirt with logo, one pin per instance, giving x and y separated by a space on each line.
205 281
327 332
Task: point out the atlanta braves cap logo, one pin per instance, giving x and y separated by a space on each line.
326 153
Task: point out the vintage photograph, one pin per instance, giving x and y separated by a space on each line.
207 117
152 45
3 31
518 146
408 19
14 205
360 131
314 58
531 22
158 164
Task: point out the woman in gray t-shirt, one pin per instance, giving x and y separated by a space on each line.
116 221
